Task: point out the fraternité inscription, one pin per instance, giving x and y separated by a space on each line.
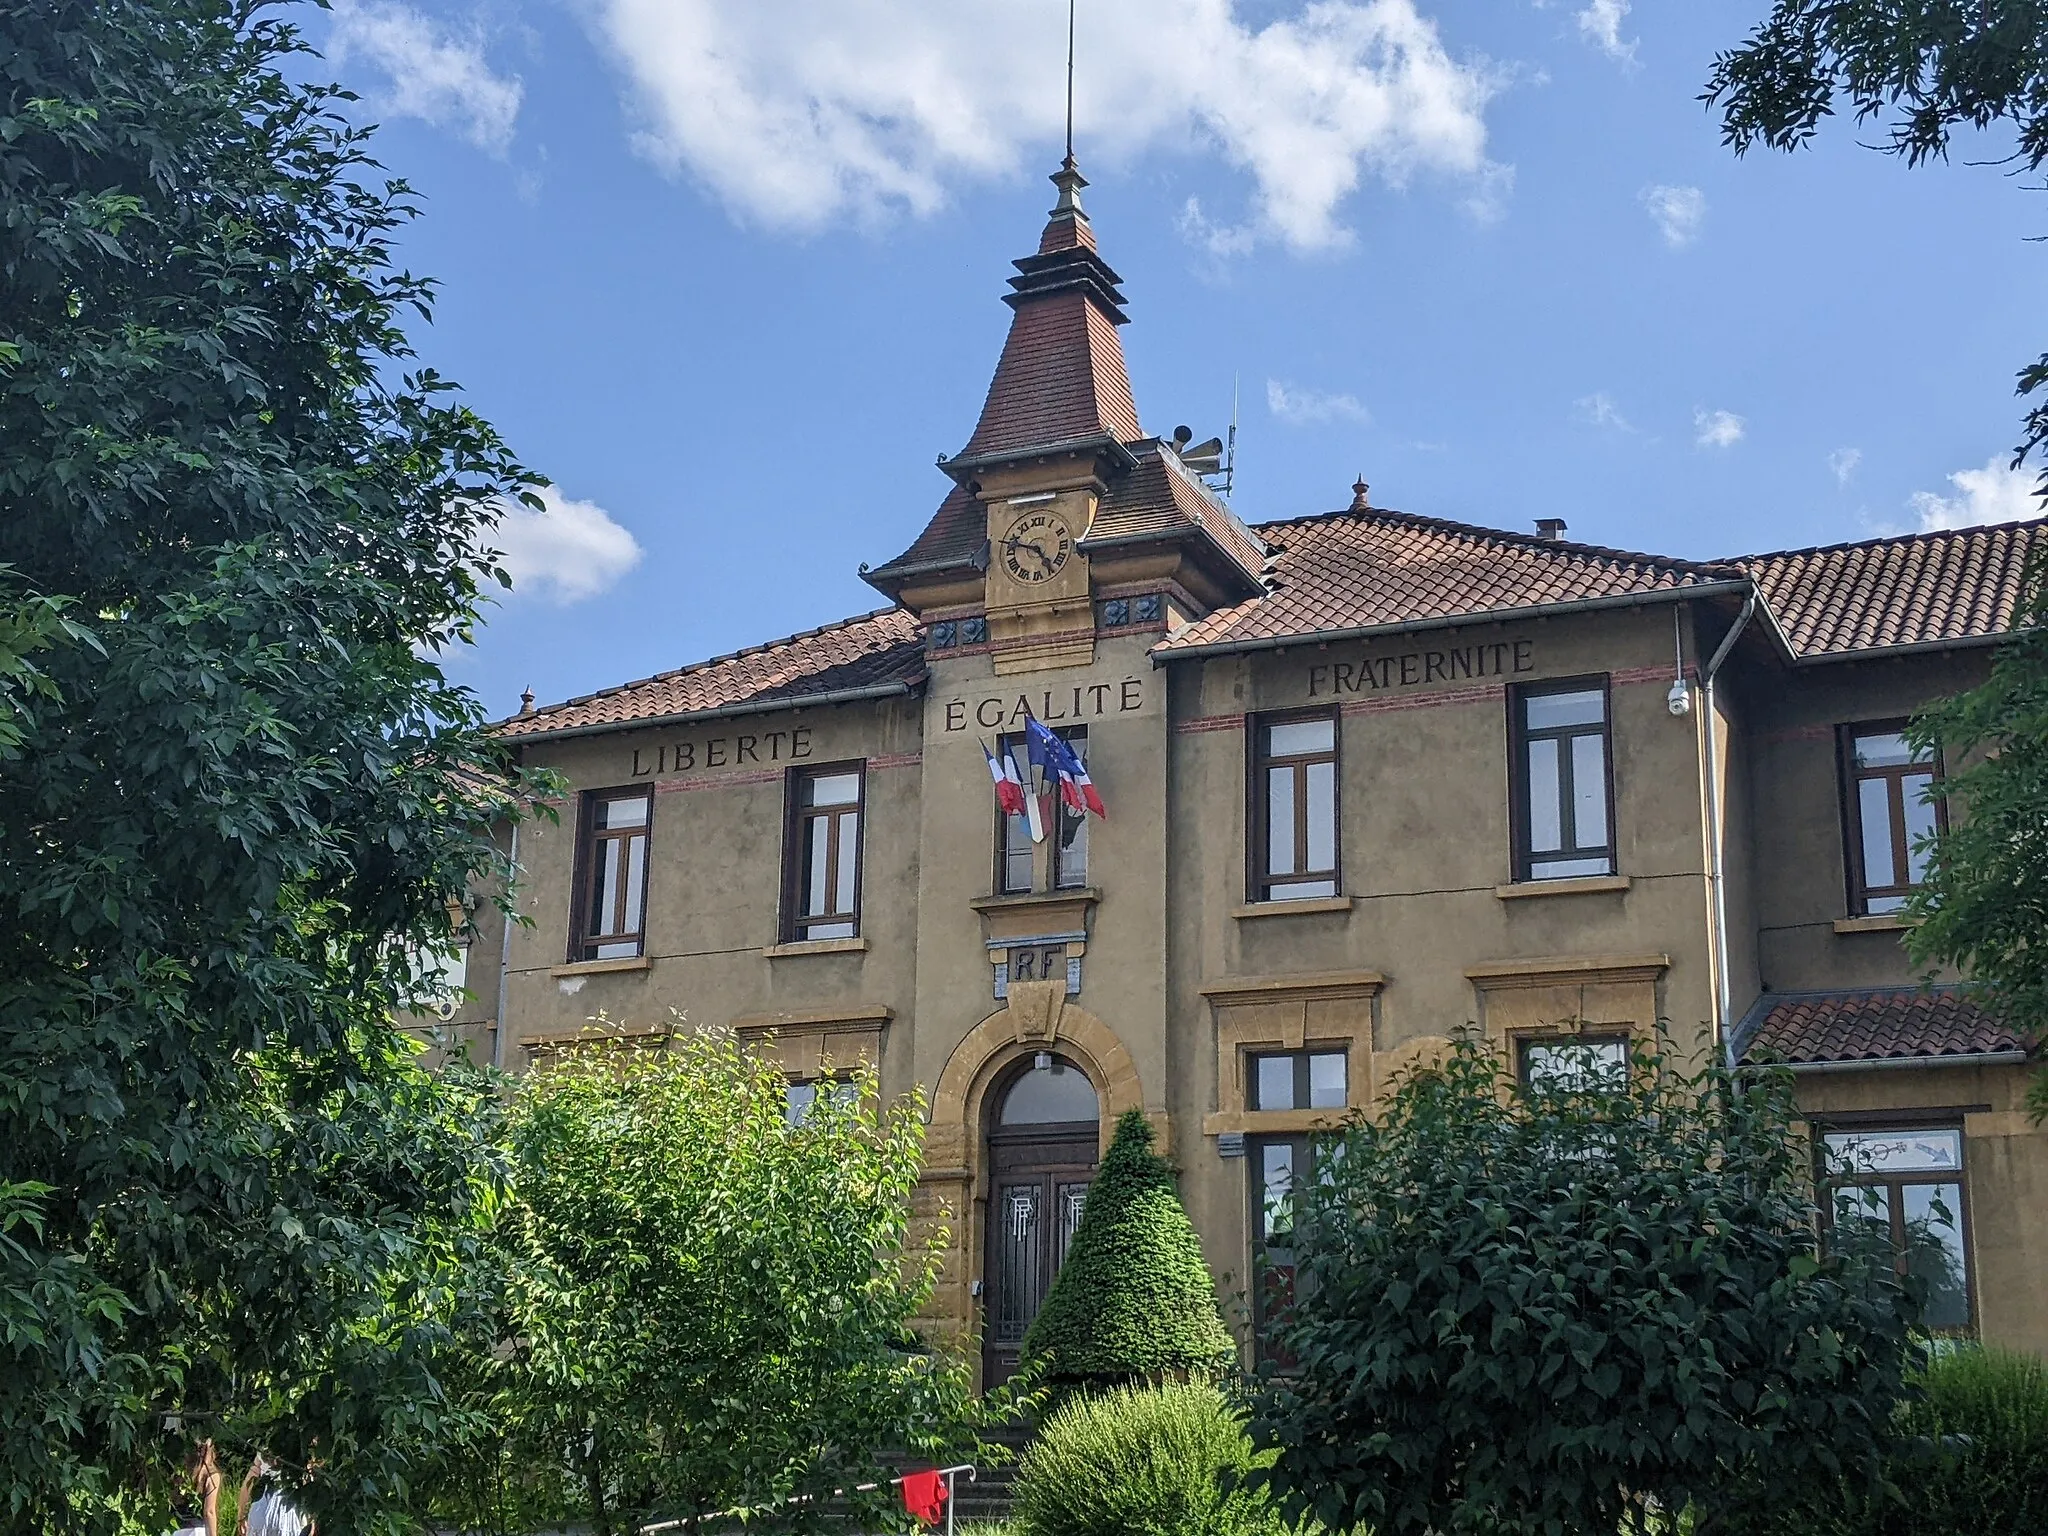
1410 669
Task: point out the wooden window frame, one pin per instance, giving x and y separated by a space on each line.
1851 778
1259 882
1300 1061
1303 1145
1525 1044
1877 1122
796 923
1519 737
1047 873
820 1086
581 941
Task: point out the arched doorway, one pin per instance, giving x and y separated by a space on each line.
1044 1135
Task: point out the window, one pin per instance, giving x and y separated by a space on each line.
1277 1164
800 1097
1297 1080
1897 1196
1575 1063
612 893
1294 808
1886 783
823 879
1273 1161
1017 856
1563 801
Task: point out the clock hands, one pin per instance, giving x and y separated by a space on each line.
1016 545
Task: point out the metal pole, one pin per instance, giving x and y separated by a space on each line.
1070 159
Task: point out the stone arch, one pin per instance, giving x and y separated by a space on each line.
960 1102
1038 1018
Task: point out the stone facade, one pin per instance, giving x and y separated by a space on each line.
1138 607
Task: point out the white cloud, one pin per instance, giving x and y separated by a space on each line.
1997 493
1197 228
1305 406
1600 24
1842 464
1599 410
802 113
1677 212
565 552
435 73
1717 429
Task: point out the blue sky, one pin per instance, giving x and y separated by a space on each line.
728 271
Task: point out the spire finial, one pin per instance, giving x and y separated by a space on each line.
526 701
1358 495
1070 84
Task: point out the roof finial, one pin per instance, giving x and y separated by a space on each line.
1068 177
526 701
1358 495
1070 82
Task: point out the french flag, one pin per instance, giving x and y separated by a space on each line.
1009 789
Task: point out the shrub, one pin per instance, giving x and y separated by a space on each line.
1134 1300
711 1308
1563 1308
1970 1455
1989 1410
1143 1461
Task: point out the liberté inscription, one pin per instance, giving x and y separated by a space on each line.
1078 701
1502 658
722 752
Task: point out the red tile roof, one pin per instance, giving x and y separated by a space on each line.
1922 589
1882 1024
1345 571
1061 378
876 650
1162 495
1367 570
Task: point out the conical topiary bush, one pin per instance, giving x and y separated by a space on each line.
1134 1300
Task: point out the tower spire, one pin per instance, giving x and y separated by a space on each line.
1069 164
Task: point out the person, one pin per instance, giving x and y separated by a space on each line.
204 1470
272 1514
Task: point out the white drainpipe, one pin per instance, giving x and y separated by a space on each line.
1716 875
505 952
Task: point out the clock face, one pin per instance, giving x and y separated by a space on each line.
1036 547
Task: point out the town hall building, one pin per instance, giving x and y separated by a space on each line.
1373 780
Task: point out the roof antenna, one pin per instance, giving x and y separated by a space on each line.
1230 453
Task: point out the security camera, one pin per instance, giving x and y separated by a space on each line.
1679 699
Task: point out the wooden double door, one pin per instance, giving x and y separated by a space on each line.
1038 1181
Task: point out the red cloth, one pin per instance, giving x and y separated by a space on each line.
924 1495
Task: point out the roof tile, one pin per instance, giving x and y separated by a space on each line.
877 648
1061 377
1916 590
1363 570
1881 1024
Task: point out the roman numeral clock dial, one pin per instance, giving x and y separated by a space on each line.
1036 547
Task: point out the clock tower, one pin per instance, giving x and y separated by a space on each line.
1059 498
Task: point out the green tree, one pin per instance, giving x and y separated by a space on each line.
1561 1309
28 624
1983 908
711 1307
1134 1300
231 1203
1928 70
